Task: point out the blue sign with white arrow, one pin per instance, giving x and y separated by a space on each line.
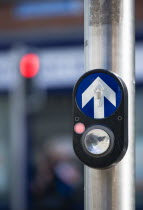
98 95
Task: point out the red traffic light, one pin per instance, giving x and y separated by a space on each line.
29 65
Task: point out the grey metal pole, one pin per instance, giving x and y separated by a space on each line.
109 44
18 146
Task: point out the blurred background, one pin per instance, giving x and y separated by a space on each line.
38 169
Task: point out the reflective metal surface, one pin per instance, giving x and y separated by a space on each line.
97 141
109 44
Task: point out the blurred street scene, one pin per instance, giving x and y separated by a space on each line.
38 168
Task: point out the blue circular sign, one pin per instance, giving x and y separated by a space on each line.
98 95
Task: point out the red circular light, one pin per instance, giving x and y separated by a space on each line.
29 65
79 128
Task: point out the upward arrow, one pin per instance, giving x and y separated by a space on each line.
98 90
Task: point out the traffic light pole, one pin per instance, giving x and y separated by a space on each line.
18 147
109 44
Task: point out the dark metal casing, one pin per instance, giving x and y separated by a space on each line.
117 123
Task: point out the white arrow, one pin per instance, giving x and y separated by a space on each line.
98 90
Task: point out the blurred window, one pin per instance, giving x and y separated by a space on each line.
48 9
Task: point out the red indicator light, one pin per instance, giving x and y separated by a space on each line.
29 65
79 128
